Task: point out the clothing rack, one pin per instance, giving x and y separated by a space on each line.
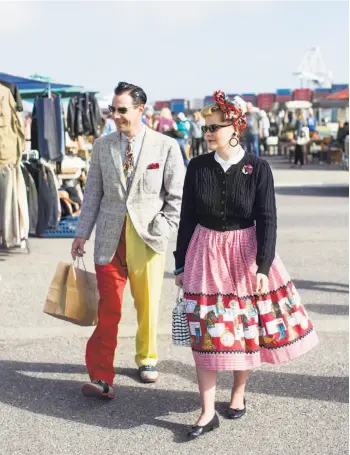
31 155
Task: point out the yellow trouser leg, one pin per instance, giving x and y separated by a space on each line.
146 272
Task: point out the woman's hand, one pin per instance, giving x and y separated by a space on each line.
262 284
179 280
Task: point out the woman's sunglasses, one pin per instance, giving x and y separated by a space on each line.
213 128
120 110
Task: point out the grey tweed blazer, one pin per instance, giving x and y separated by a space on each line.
153 202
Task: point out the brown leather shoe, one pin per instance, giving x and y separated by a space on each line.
98 389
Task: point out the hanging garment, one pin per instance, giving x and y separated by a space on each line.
11 129
55 203
23 211
47 129
48 201
15 93
32 198
83 116
11 198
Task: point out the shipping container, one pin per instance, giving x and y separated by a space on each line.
196 104
283 98
265 101
320 94
249 97
284 92
178 105
339 87
302 94
208 100
160 104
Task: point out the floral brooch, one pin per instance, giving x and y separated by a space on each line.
247 169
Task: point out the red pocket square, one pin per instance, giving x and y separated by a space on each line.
153 166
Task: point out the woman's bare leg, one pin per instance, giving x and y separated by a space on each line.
207 387
238 389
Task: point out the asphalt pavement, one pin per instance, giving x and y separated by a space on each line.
298 408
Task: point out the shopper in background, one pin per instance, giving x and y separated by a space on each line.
253 130
147 117
274 126
196 134
165 122
265 129
183 127
343 131
301 138
109 126
311 122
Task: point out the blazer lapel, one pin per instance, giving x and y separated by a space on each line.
144 158
116 152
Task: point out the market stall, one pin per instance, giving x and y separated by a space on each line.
56 159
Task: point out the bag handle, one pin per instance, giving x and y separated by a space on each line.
77 263
180 294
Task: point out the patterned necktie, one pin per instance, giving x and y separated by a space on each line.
129 162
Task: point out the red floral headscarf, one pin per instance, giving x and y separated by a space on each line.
233 110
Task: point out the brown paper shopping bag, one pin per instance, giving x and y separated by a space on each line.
73 295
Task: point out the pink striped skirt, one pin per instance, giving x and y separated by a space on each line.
231 328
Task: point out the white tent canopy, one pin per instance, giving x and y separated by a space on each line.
104 101
291 105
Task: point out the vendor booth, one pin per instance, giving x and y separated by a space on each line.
44 156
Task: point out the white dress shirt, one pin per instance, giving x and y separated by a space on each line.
234 160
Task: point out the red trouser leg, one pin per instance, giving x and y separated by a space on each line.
100 349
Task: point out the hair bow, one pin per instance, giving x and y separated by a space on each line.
233 110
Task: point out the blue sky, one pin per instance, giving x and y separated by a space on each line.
173 49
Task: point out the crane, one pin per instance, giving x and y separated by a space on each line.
312 69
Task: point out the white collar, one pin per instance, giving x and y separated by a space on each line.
137 137
233 160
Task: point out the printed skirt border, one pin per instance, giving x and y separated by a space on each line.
230 327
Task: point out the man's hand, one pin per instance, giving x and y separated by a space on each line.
78 248
179 280
262 284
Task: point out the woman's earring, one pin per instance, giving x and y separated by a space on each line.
234 138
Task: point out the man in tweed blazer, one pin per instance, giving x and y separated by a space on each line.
133 195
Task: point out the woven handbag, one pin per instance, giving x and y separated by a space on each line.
180 330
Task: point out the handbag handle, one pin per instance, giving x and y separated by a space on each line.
180 293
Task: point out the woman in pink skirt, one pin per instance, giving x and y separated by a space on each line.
242 307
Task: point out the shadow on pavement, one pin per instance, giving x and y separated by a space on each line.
323 286
328 308
321 191
322 388
4 254
143 404
134 406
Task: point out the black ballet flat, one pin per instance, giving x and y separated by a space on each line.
234 414
198 430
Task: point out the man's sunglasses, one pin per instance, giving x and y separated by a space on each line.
120 110
213 128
